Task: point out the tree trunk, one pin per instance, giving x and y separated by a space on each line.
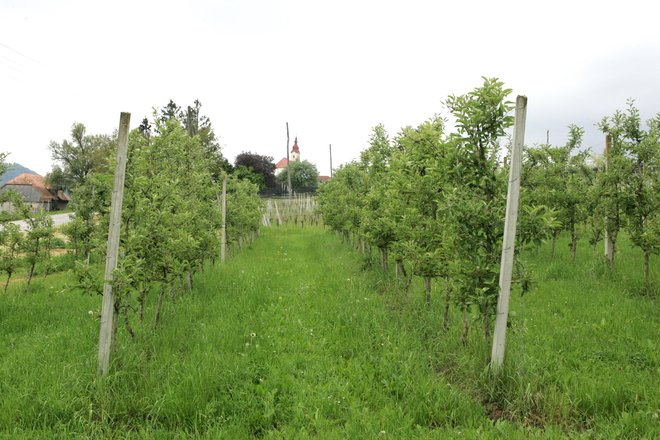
409 281
466 324
141 302
27 286
126 321
115 326
400 269
36 257
445 320
7 282
573 242
647 264
487 330
189 281
383 258
594 249
427 284
160 303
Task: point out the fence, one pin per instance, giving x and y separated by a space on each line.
301 209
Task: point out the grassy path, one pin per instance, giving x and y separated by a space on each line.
290 339
307 348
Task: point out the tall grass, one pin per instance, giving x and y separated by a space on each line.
292 338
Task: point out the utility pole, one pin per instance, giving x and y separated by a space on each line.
609 246
509 241
223 234
288 163
108 307
330 160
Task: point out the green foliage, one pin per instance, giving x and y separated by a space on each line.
243 209
435 199
476 203
195 124
629 188
415 197
376 225
558 178
257 168
79 157
87 231
170 218
35 245
341 199
11 241
304 176
265 348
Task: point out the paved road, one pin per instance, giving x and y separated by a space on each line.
58 219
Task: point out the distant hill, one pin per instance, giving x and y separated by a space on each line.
14 170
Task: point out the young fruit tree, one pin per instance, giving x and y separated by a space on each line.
476 203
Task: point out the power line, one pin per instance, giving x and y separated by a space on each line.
27 57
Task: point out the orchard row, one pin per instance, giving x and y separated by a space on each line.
433 200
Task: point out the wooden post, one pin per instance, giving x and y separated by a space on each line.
288 162
223 234
609 246
508 245
330 160
107 309
277 214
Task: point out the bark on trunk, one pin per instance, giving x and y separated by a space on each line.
141 302
466 324
7 282
573 243
647 267
427 284
594 249
27 286
189 281
160 303
445 320
126 320
400 269
115 326
487 330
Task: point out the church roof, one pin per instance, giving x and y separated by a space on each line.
295 146
282 163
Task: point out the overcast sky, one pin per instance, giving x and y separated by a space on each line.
331 69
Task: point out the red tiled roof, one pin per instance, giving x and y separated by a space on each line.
35 181
282 163
295 146
324 178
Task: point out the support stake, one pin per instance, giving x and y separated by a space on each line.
508 246
107 309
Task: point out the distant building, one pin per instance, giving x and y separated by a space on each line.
32 188
324 179
295 157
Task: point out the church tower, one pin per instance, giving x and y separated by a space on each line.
295 151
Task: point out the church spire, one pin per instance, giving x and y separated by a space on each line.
295 151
